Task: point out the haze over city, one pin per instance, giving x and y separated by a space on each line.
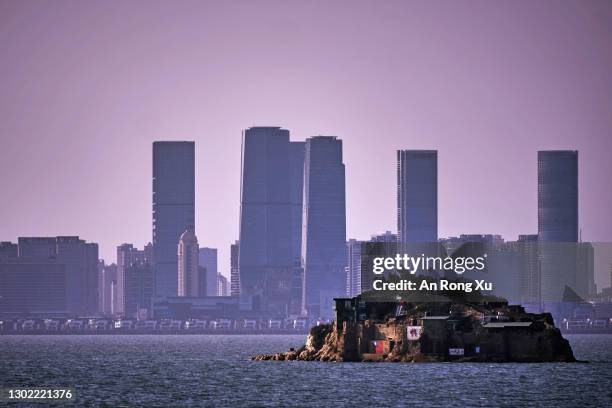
88 88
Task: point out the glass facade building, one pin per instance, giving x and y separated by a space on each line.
324 225
173 208
270 199
417 196
558 196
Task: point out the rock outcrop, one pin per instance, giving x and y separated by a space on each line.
433 332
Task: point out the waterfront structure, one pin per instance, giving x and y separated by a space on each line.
173 208
209 308
417 196
208 260
267 217
323 225
189 282
235 269
49 274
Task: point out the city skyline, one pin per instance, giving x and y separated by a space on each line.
487 92
534 229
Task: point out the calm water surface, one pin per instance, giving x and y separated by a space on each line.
206 370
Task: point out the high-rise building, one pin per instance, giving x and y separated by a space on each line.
379 245
417 196
188 266
323 225
585 270
138 290
529 275
353 268
222 286
107 282
58 274
33 288
267 255
173 208
557 223
235 269
558 196
127 254
208 260
134 279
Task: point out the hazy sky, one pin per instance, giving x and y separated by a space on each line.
86 87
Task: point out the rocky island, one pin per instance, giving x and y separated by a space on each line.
441 329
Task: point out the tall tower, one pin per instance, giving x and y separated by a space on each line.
324 225
125 256
417 196
266 254
558 224
558 196
173 208
188 273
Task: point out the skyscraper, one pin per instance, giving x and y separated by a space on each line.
126 254
417 196
134 279
188 272
324 225
266 246
138 289
208 260
558 196
173 208
558 224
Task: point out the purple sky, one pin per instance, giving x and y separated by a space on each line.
87 86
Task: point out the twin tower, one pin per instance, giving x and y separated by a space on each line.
292 220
